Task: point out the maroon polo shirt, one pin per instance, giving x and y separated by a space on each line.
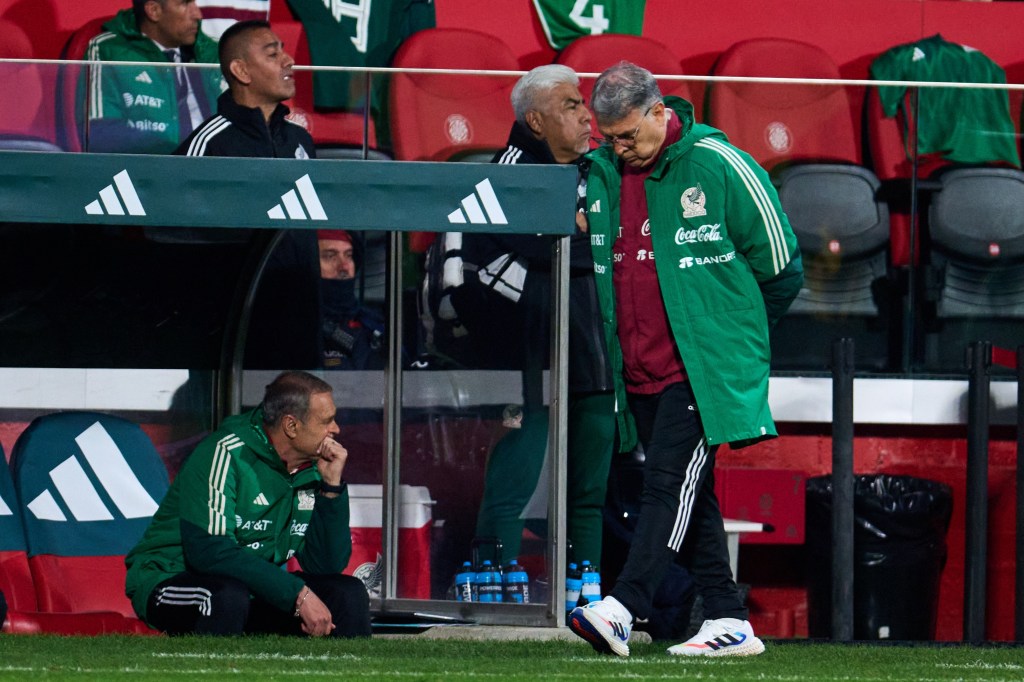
650 358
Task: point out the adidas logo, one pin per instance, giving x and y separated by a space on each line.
595 207
472 208
77 491
294 207
144 78
112 203
918 55
261 501
5 510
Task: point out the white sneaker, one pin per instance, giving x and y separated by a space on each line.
605 624
722 637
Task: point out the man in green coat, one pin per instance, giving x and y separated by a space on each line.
263 490
694 261
146 109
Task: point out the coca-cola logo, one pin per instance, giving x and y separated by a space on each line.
704 233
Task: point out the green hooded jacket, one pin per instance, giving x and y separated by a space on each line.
233 510
134 108
728 267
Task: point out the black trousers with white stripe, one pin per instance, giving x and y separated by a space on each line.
679 512
216 605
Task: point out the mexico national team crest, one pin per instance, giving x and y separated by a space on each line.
693 201
306 500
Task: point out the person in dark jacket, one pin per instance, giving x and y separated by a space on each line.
251 119
514 315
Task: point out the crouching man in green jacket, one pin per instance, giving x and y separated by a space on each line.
265 488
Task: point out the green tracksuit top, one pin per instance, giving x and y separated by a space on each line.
728 266
141 98
233 510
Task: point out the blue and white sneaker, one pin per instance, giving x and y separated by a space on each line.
722 637
605 624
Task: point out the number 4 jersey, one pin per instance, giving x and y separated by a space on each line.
566 20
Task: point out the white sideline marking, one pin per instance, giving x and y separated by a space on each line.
260 657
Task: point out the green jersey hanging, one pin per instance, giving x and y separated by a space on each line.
355 33
566 20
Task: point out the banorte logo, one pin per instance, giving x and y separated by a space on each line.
457 129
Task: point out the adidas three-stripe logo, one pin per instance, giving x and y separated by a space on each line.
261 501
725 640
110 204
618 630
82 499
294 207
471 207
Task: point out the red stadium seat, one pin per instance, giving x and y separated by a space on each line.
594 54
26 87
24 615
88 484
783 123
439 117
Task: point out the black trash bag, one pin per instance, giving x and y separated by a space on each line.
899 540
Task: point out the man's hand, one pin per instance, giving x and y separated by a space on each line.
331 458
581 221
316 617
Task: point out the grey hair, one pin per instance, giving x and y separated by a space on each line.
289 394
536 82
622 88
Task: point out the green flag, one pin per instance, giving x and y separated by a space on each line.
566 20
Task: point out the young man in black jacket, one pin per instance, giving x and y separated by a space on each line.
251 119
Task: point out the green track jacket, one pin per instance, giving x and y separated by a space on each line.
728 266
233 510
134 108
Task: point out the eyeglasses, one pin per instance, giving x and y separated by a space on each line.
627 140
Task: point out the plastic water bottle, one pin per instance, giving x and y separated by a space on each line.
573 585
591 589
464 580
488 583
517 584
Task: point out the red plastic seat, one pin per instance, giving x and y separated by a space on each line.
778 123
440 117
88 483
27 89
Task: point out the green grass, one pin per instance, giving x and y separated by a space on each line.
412 659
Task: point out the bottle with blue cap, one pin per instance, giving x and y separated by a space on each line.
488 580
517 584
573 585
464 580
591 588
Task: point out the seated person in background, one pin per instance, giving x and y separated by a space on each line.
264 488
353 335
145 110
251 119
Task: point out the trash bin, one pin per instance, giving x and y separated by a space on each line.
899 551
